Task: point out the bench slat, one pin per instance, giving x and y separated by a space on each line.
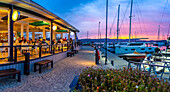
41 63
9 72
44 62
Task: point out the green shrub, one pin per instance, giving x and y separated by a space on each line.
124 80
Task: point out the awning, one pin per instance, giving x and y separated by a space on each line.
61 31
39 23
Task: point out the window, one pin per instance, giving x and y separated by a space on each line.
142 48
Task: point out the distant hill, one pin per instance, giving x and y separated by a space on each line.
120 40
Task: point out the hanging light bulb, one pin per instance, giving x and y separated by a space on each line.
54 27
72 33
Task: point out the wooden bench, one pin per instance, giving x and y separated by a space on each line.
9 72
41 64
70 54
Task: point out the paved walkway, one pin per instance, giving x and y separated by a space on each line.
118 62
57 79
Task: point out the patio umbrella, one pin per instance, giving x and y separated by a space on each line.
61 31
39 23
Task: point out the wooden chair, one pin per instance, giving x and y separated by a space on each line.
3 49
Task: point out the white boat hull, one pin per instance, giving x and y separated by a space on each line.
128 49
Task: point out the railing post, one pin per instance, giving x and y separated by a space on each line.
112 62
62 47
72 48
53 49
15 60
27 64
56 46
67 45
40 51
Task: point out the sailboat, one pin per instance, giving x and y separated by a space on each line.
139 47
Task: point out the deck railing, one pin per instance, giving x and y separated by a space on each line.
36 51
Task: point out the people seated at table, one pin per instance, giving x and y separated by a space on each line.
71 40
44 41
59 41
40 41
17 41
65 39
23 48
64 42
53 42
31 45
3 49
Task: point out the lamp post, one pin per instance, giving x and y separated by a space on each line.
10 33
106 31
98 32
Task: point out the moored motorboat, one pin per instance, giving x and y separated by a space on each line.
134 56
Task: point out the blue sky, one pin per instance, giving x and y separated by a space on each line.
85 15
61 7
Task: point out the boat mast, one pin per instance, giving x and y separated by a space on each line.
158 31
168 31
130 20
87 35
110 33
98 32
106 31
100 38
118 24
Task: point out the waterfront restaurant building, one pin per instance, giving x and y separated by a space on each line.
25 19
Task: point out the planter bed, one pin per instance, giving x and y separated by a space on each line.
123 80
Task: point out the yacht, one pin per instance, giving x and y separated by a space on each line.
122 44
131 47
110 46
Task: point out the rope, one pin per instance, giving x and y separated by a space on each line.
138 18
124 14
142 18
164 10
113 22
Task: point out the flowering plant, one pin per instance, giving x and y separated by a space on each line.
125 80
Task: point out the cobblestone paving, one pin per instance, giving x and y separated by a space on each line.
57 79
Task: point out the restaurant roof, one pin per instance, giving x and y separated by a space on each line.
31 6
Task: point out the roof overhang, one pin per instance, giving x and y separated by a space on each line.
33 8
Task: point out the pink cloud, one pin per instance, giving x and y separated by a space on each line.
145 21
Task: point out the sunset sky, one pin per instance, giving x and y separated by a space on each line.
85 15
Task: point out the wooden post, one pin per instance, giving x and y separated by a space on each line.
22 30
51 35
27 37
10 33
44 33
69 35
33 35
